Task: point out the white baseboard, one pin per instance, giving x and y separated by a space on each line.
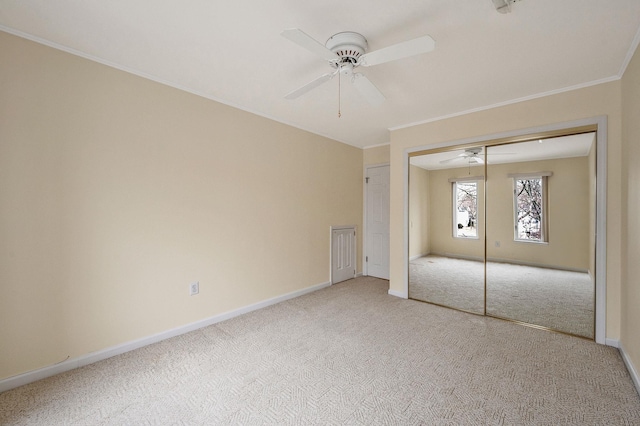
418 256
81 361
397 294
612 342
630 367
536 265
460 256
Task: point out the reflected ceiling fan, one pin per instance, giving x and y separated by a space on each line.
346 51
470 155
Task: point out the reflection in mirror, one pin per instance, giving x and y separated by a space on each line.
540 233
446 232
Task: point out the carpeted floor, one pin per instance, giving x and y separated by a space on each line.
560 300
446 281
347 354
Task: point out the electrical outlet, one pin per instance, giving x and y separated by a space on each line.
194 288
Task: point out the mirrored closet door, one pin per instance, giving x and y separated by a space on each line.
540 257
446 227
507 231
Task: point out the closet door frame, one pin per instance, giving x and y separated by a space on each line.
595 124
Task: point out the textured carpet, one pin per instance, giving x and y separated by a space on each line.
446 281
347 354
561 300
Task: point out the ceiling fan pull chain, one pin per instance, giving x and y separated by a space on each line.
339 80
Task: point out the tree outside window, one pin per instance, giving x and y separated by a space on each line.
529 209
465 211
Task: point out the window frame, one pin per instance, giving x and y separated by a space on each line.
544 200
454 205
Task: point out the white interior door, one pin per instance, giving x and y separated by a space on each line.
377 222
343 253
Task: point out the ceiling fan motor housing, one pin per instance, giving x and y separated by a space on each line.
349 46
474 151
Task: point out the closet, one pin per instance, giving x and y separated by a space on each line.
507 229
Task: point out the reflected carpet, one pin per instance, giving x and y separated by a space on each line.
560 300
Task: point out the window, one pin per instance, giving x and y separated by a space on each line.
465 209
529 200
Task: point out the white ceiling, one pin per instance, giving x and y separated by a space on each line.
232 52
543 149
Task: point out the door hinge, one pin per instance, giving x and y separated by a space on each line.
366 258
366 179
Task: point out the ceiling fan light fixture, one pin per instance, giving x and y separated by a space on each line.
346 69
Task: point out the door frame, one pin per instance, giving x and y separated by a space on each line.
365 266
597 124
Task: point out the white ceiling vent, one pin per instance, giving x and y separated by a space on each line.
504 6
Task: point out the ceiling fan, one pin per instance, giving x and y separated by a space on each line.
345 51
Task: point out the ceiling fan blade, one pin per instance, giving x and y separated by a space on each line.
305 40
476 160
499 153
367 89
449 160
311 85
405 49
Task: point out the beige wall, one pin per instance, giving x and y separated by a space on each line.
603 99
117 192
630 338
441 240
376 155
419 203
